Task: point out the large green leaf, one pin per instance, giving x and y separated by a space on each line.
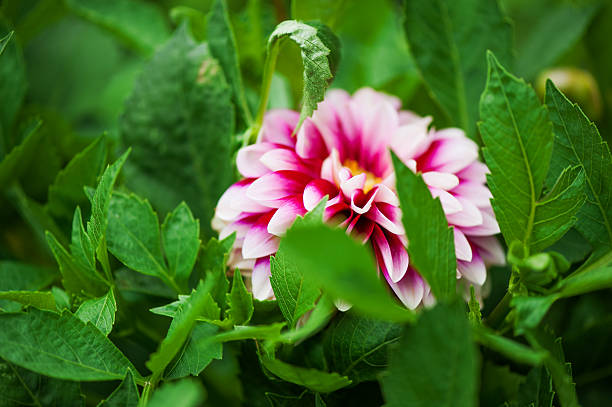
21 276
315 380
181 241
432 246
448 39
60 346
179 121
125 395
357 347
100 312
14 163
38 299
518 139
199 351
139 23
577 142
435 362
240 301
183 393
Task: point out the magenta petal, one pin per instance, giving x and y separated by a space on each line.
463 250
248 160
260 280
452 155
387 216
280 159
278 126
315 191
393 254
234 201
386 195
360 202
410 289
285 215
258 242
475 271
309 143
270 189
469 216
475 172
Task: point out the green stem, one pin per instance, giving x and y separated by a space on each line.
500 311
146 393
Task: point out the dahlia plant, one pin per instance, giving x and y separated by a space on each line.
224 203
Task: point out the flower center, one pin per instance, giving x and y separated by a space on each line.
355 168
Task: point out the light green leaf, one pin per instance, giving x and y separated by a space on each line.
80 245
577 142
212 262
100 312
240 301
60 346
15 162
312 379
432 246
62 300
183 393
448 39
357 347
125 395
139 23
38 299
179 330
428 365
316 321
199 351
518 139
180 236
512 350
239 333
21 276
222 43
351 277
66 192
179 121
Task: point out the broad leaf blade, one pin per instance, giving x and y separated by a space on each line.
125 395
240 301
15 162
184 393
312 379
199 351
21 276
180 235
38 299
100 312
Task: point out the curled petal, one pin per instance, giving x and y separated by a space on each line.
393 253
410 289
257 241
235 201
387 216
260 280
315 191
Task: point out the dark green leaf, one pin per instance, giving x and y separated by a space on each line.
100 312
239 333
125 395
432 246
512 350
21 276
199 351
435 362
312 379
180 235
537 391
577 142
15 162
448 39
60 346
179 120
183 393
213 263
13 84
38 299
240 302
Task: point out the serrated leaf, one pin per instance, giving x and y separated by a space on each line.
125 395
240 302
199 351
222 43
179 330
183 393
448 39
213 263
137 22
15 162
351 277
21 276
80 244
38 299
315 380
66 192
432 246
60 346
577 142
357 347
321 314
428 365
134 282
518 139
179 120
320 51
180 236
100 312
13 83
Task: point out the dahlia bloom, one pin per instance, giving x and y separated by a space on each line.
343 152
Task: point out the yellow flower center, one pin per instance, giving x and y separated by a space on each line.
356 169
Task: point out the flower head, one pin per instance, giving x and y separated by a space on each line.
343 152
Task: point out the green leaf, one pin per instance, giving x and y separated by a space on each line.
357 347
183 393
38 299
199 351
312 379
211 311
133 236
138 23
512 350
100 312
62 300
240 301
13 83
21 276
222 43
179 121
448 40
518 139
66 192
213 263
537 390
320 51
5 40
239 333
428 365
15 162
179 330
577 142
432 246
317 320
125 395
351 277
180 235
60 346
80 244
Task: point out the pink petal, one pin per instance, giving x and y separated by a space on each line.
258 242
450 204
309 142
387 216
489 248
488 227
315 190
353 184
475 172
393 254
411 140
280 159
463 250
386 195
360 202
409 289
272 188
285 215
441 180
361 228
234 201
278 126
249 162
477 193
474 271
451 154
260 280
469 216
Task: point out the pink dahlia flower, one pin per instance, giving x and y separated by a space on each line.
343 152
